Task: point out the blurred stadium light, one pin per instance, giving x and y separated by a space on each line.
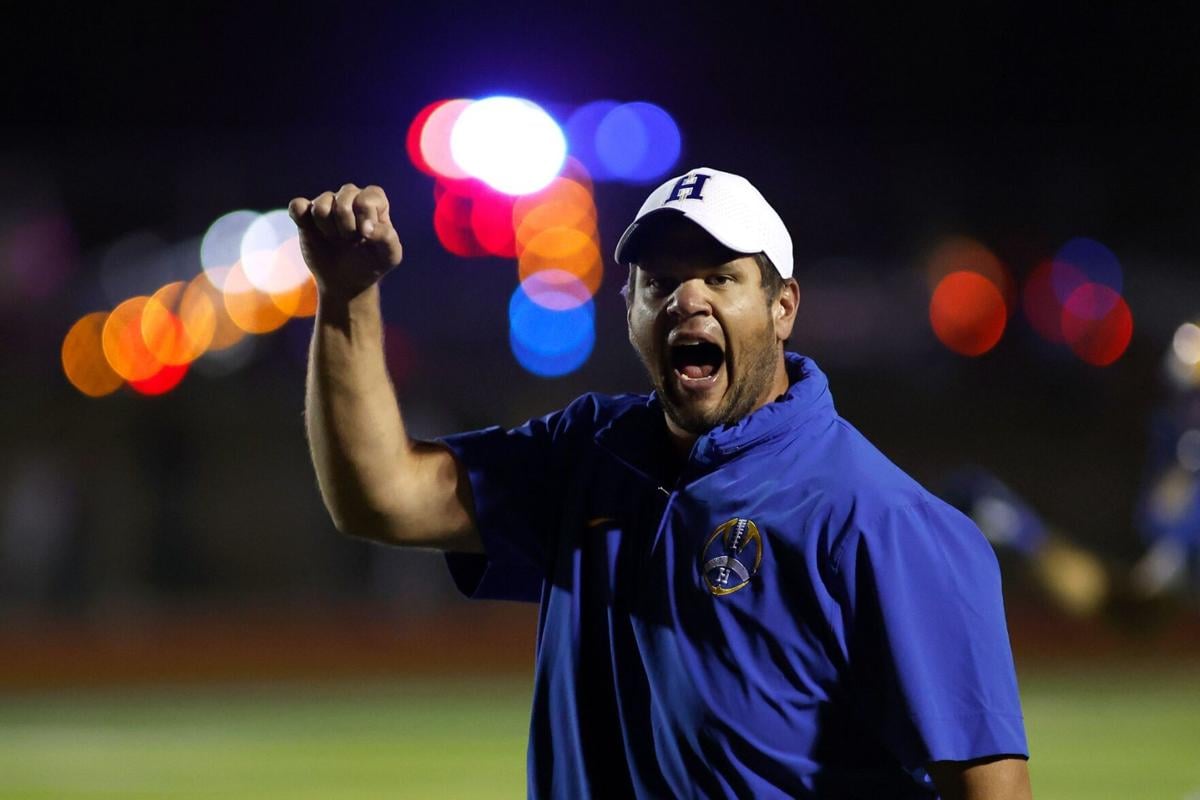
434 139
550 342
1097 323
637 142
967 312
83 357
1083 260
151 341
221 246
1185 344
505 187
509 143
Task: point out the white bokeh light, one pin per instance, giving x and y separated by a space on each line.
258 248
509 143
288 270
1187 344
222 244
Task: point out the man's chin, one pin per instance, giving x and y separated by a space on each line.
694 416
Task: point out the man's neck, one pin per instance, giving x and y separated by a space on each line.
682 441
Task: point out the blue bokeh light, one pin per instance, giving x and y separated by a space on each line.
637 142
547 342
581 135
1082 260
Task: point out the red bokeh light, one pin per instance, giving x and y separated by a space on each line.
162 381
434 139
492 221
412 142
968 313
1097 324
1039 299
964 254
452 223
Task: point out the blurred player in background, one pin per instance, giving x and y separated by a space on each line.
740 596
1167 516
1168 512
1073 578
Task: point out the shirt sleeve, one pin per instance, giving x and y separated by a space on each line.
516 479
931 666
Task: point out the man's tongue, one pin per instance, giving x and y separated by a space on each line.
696 361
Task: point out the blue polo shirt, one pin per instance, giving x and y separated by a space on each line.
791 616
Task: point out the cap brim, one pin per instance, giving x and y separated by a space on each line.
635 234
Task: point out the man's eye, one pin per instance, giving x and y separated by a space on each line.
719 280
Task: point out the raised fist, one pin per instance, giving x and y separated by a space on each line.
346 238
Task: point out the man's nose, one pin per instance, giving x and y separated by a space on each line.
689 298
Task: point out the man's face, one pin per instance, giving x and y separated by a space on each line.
706 332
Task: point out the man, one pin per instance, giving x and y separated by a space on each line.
739 595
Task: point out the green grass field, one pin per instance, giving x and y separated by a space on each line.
1094 735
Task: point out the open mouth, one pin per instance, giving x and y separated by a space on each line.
697 363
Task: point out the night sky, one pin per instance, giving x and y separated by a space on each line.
873 130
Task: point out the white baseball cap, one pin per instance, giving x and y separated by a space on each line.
725 205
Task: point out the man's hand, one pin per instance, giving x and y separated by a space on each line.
347 238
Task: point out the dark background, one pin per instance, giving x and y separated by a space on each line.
874 131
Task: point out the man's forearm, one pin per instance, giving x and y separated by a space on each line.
993 778
355 432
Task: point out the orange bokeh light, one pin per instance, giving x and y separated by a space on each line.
251 309
562 204
968 313
83 357
226 333
566 249
298 302
178 323
299 298
124 348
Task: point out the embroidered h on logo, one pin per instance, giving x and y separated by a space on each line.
689 186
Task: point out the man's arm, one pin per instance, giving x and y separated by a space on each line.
376 482
995 778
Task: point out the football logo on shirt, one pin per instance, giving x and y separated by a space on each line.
731 556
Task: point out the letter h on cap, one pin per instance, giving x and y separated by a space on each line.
689 186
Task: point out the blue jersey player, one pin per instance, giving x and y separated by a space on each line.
739 595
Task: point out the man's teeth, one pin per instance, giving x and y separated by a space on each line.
695 360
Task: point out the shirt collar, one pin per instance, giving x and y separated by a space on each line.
637 435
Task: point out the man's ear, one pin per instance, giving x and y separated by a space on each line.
627 291
784 308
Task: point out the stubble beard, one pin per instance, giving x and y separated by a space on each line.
761 359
